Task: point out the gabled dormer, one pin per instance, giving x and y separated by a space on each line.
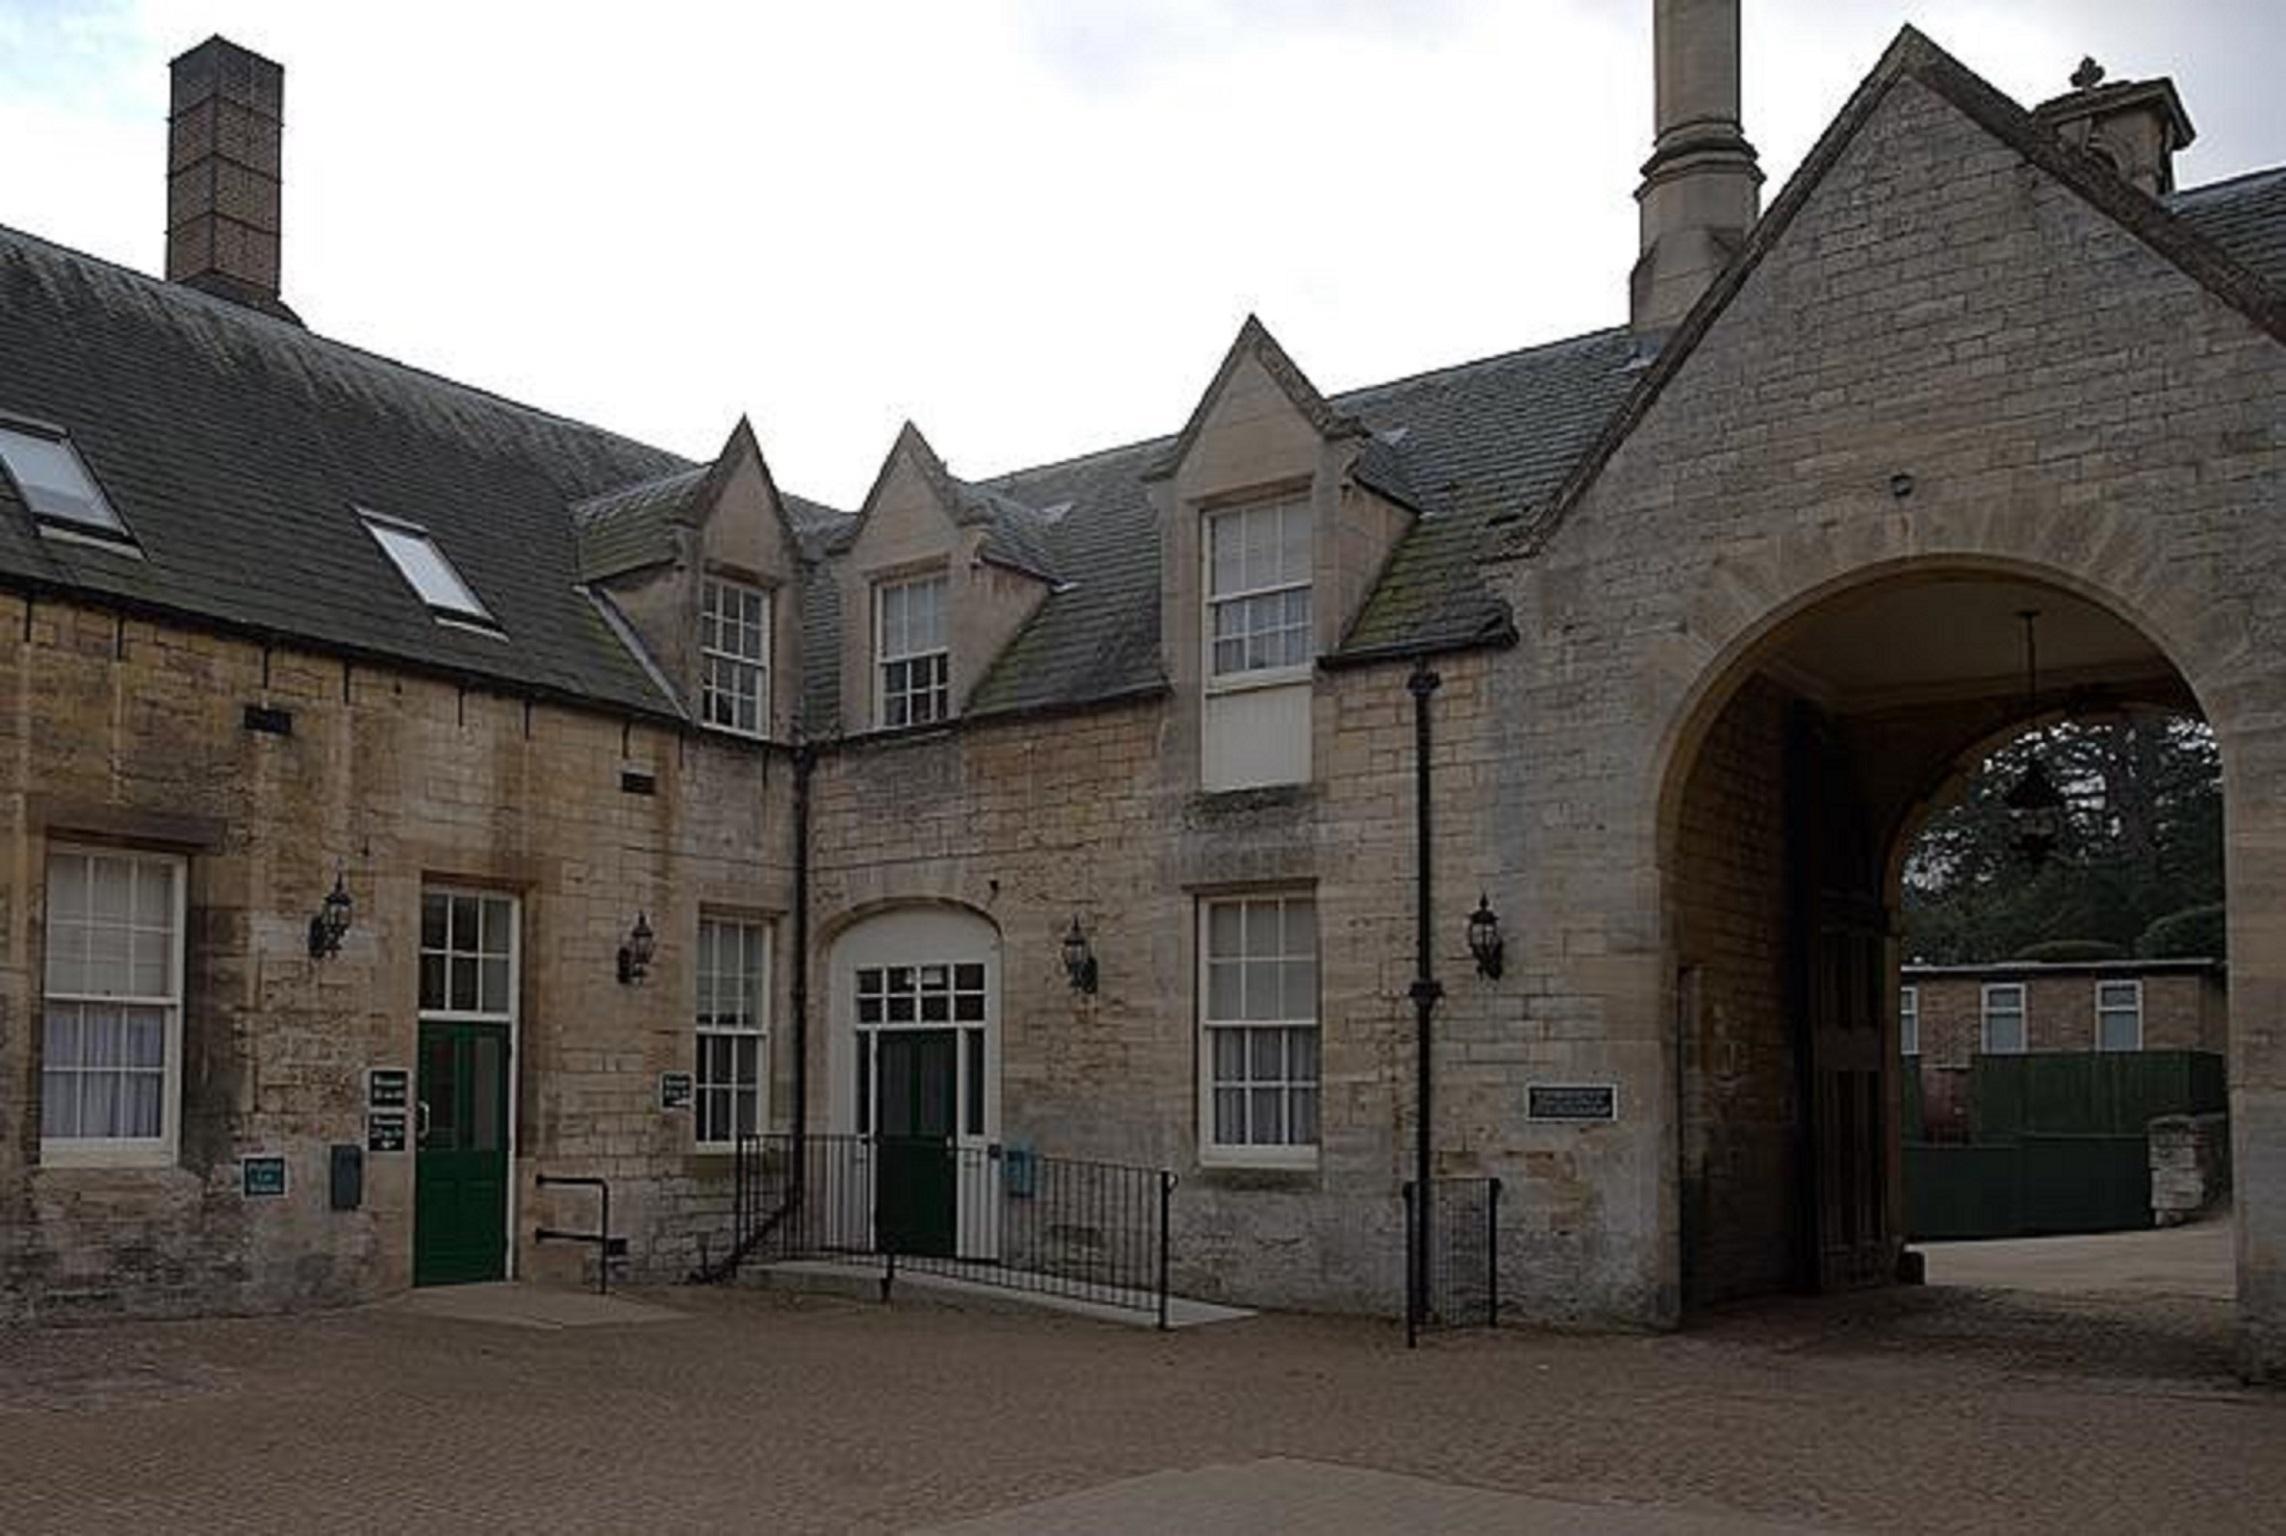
701 565
937 578
1277 512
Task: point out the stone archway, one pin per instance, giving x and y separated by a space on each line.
1806 754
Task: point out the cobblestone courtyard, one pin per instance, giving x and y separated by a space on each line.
1935 1409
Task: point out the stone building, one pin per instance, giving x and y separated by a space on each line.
1719 603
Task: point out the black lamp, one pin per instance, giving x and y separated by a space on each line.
1484 940
331 920
2035 805
1079 959
635 954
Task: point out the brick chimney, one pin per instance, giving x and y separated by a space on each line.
2134 126
1702 189
224 124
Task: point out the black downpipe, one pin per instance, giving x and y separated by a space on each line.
805 760
1425 993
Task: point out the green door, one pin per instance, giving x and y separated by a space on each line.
460 1161
915 1193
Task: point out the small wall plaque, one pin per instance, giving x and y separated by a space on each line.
388 1088
262 1178
674 1090
384 1130
1582 1102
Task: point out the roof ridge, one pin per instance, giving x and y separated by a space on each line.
178 293
1513 354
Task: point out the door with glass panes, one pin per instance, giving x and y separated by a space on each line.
464 1131
921 1079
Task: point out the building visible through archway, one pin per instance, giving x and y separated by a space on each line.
1824 748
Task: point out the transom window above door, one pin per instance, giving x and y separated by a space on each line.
734 653
468 955
920 994
1258 589
914 662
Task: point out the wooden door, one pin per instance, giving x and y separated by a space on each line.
1847 1228
460 1159
916 1191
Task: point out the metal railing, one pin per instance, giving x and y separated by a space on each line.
607 1247
1464 1256
994 1215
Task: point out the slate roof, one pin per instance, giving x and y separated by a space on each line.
238 447
2246 216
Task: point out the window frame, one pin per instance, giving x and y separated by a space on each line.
380 527
1213 1153
112 535
508 1015
940 688
1909 1013
2135 986
2022 1011
702 1029
1295 500
159 1151
711 625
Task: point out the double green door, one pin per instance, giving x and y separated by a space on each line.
460 1161
917 1193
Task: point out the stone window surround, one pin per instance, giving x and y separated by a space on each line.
1283 498
907 575
1214 1155
153 1152
764 939
735 579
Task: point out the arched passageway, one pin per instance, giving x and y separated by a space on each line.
1807 768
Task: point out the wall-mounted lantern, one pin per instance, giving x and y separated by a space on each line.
1484 940
635 955
331 920
1079 959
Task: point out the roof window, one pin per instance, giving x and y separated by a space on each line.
55 484
426 570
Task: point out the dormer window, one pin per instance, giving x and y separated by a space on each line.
1258 589
914 665
427 571
54 483
734 652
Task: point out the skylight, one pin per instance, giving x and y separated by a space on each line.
426 570
55 484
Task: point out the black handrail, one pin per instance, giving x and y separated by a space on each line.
992 1214
607 1247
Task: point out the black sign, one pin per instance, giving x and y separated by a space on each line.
384 1130
674 1090
1571 1101
387 1087
261 1178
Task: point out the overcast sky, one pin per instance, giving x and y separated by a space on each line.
1032 226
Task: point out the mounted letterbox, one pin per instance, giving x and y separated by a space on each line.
346 1170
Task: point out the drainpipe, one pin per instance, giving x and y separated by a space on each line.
1425 993
805 759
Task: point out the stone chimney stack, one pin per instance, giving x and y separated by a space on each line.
2134 126
223 130
1702 189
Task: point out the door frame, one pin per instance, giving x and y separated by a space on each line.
916 934
514 1020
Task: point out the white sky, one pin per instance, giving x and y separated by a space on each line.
1032 226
